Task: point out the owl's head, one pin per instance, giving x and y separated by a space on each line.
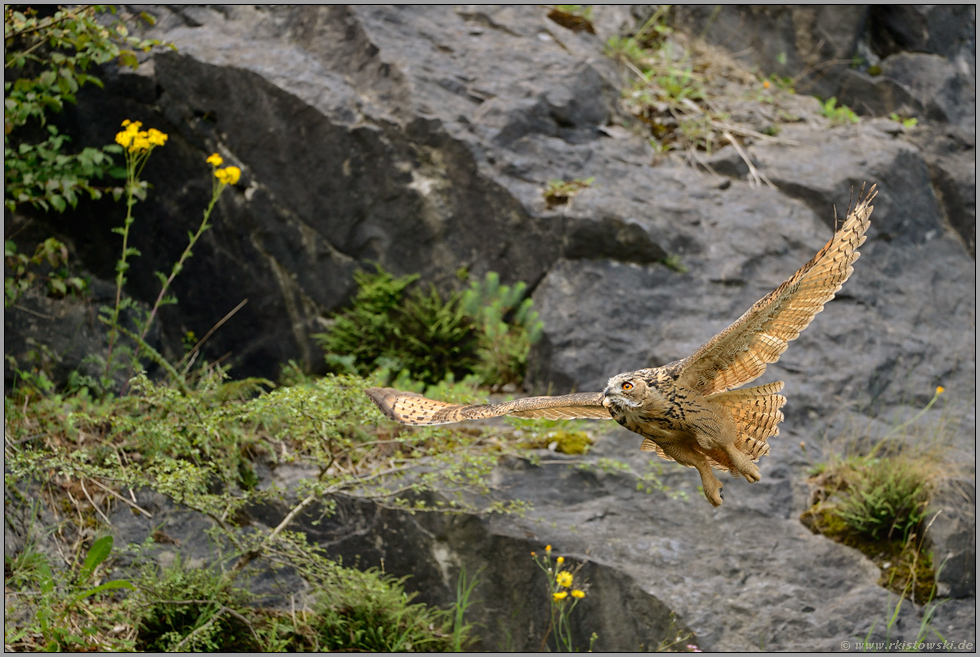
625 392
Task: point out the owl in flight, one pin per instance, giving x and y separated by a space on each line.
688 411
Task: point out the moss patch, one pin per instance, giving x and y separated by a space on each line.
566 442
877 506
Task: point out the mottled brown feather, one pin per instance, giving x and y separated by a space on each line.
741 352
411 408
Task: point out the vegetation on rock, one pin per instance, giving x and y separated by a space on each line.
878 502
486 330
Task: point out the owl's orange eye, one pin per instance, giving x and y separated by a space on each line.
627 386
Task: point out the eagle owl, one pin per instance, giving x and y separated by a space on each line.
689 411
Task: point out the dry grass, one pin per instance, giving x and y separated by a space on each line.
695 98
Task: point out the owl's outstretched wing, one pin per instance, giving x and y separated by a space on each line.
741 352
410 408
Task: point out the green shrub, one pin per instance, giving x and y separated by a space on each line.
434 338
487 330
362 335
48 264
838 114
192 609
508 325
886 499
46 60
62 618
876 500
368 611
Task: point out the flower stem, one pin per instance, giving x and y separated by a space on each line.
179 265
121 266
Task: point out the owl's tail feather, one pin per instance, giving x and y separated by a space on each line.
756 414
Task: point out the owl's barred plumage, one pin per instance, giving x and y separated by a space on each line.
688 411
411 408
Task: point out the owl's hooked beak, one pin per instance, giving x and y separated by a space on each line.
606 400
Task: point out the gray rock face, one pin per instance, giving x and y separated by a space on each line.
914 60
815 42
423 137
954 537
734 578
59 336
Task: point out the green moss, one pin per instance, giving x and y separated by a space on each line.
566 442
905 568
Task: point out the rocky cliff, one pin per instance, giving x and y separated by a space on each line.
423 137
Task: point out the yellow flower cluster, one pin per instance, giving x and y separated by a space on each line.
226 176
138 141
562 579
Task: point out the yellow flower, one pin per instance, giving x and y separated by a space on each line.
564 578
156 137
140 143
765 83
560 560
561 595
215 160
940 390
135 140
547 548
578 594
228 175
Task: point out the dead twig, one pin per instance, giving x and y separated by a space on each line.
756 177
123 499
247 558
693 155
207 335
92 502
746 132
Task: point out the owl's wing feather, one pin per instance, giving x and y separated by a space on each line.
741 352
411 408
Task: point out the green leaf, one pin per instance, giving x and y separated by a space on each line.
127 58
96 555
46 581
114 584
